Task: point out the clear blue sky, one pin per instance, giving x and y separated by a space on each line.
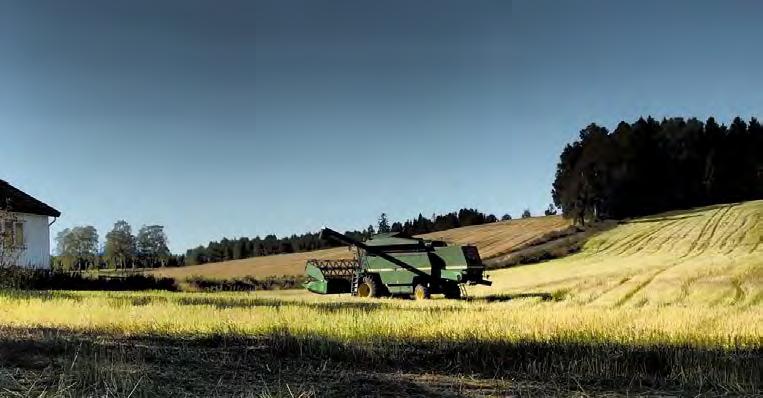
244 118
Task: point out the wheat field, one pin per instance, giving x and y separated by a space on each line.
668 304
698 269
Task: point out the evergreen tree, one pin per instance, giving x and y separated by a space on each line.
196 256
241 249
383 224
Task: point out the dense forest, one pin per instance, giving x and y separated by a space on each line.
240 248
648 166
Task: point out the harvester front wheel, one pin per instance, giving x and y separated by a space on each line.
368 287
421 292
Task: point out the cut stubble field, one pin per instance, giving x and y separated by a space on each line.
668 304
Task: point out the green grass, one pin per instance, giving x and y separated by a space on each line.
668 304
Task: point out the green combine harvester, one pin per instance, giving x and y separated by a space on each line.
396 264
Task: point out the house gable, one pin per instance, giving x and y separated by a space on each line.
15 200
29 226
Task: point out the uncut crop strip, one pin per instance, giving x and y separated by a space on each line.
371 321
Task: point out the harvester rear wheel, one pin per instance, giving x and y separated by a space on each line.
421 292
368 287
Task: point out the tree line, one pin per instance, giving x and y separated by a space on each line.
646 167
244 247
78 248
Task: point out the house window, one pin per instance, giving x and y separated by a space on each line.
18 234
13 233
8 233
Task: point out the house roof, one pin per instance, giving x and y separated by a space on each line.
16 200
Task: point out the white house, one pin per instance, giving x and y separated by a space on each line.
31 226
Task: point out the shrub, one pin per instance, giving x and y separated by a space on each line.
40 279
199 283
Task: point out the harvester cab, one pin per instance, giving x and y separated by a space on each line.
396 264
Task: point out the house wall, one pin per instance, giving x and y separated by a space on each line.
37 241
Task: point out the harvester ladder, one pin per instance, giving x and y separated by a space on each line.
464 294
354 284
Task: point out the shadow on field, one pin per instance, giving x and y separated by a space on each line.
276 303
660 219
508 297
118 299
680 214
552 245
328 306
233 364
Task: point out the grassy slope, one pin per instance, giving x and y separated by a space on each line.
492 239
709 256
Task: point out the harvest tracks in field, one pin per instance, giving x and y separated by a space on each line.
709 255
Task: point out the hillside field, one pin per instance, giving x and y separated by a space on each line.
492 239
711 256
662 305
